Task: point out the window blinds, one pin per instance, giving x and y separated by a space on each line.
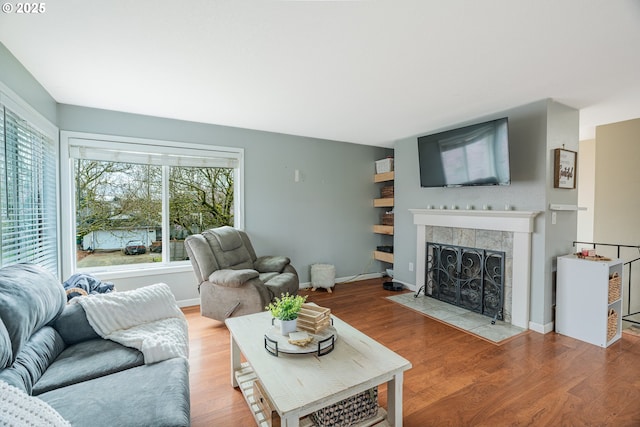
151 155
28 201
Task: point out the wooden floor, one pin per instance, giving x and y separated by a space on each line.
456 379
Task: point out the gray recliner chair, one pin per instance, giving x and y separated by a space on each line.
232 280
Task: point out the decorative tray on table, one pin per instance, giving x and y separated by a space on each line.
319 343
314 334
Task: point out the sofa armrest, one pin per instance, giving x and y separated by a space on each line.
232 278
269 264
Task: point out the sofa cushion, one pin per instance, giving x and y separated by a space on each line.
149 395
73 326
5 345
282 283
34 358
265 277
85 361
30 298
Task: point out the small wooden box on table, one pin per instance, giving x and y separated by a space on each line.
313 319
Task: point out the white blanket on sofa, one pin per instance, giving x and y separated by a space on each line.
147 319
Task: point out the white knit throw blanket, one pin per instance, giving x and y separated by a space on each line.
147 319
18 409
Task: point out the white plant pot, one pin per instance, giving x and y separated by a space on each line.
287 326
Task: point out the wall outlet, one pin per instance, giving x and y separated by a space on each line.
410 266
554 217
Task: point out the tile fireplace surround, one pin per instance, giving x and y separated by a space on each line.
520 223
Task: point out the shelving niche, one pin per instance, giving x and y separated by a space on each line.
383 204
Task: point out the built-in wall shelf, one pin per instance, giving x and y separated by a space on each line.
383 203
383 229
383 256
558 207
382 177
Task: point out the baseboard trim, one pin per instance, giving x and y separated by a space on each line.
541 329
409 286
349 279
358 277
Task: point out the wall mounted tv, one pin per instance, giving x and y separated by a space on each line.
468 156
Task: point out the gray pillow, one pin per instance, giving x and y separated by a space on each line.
30 298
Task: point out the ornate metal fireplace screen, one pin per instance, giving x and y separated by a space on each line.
471 278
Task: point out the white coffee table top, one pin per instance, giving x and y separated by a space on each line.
305 383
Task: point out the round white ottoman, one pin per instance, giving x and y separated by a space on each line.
323 276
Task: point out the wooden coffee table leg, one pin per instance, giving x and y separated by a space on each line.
235 361
290 421
394 400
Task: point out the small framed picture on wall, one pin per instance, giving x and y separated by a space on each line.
564 171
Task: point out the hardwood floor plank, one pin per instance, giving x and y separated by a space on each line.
457 379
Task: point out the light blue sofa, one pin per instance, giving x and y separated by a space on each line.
49 350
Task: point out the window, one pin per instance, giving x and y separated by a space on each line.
135 201
28 187
118 212
199 198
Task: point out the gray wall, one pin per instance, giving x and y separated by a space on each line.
533 128
19 80
562 132
326 217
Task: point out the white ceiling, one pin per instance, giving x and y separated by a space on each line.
368 72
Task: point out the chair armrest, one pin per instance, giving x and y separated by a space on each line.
269 264
232 278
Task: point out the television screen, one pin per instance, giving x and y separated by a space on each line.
471 155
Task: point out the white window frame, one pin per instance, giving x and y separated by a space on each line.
69 143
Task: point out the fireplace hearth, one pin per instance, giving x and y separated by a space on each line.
471 278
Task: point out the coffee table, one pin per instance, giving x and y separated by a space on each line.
299 384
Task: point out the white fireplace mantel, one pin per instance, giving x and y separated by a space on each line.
519 222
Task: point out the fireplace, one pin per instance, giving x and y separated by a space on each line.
471 278
513 227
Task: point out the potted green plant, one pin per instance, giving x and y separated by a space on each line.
285 308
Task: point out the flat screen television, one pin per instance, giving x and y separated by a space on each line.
467 156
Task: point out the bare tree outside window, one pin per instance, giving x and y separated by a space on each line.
199 199
119 210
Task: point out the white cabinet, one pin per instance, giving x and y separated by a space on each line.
584 308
